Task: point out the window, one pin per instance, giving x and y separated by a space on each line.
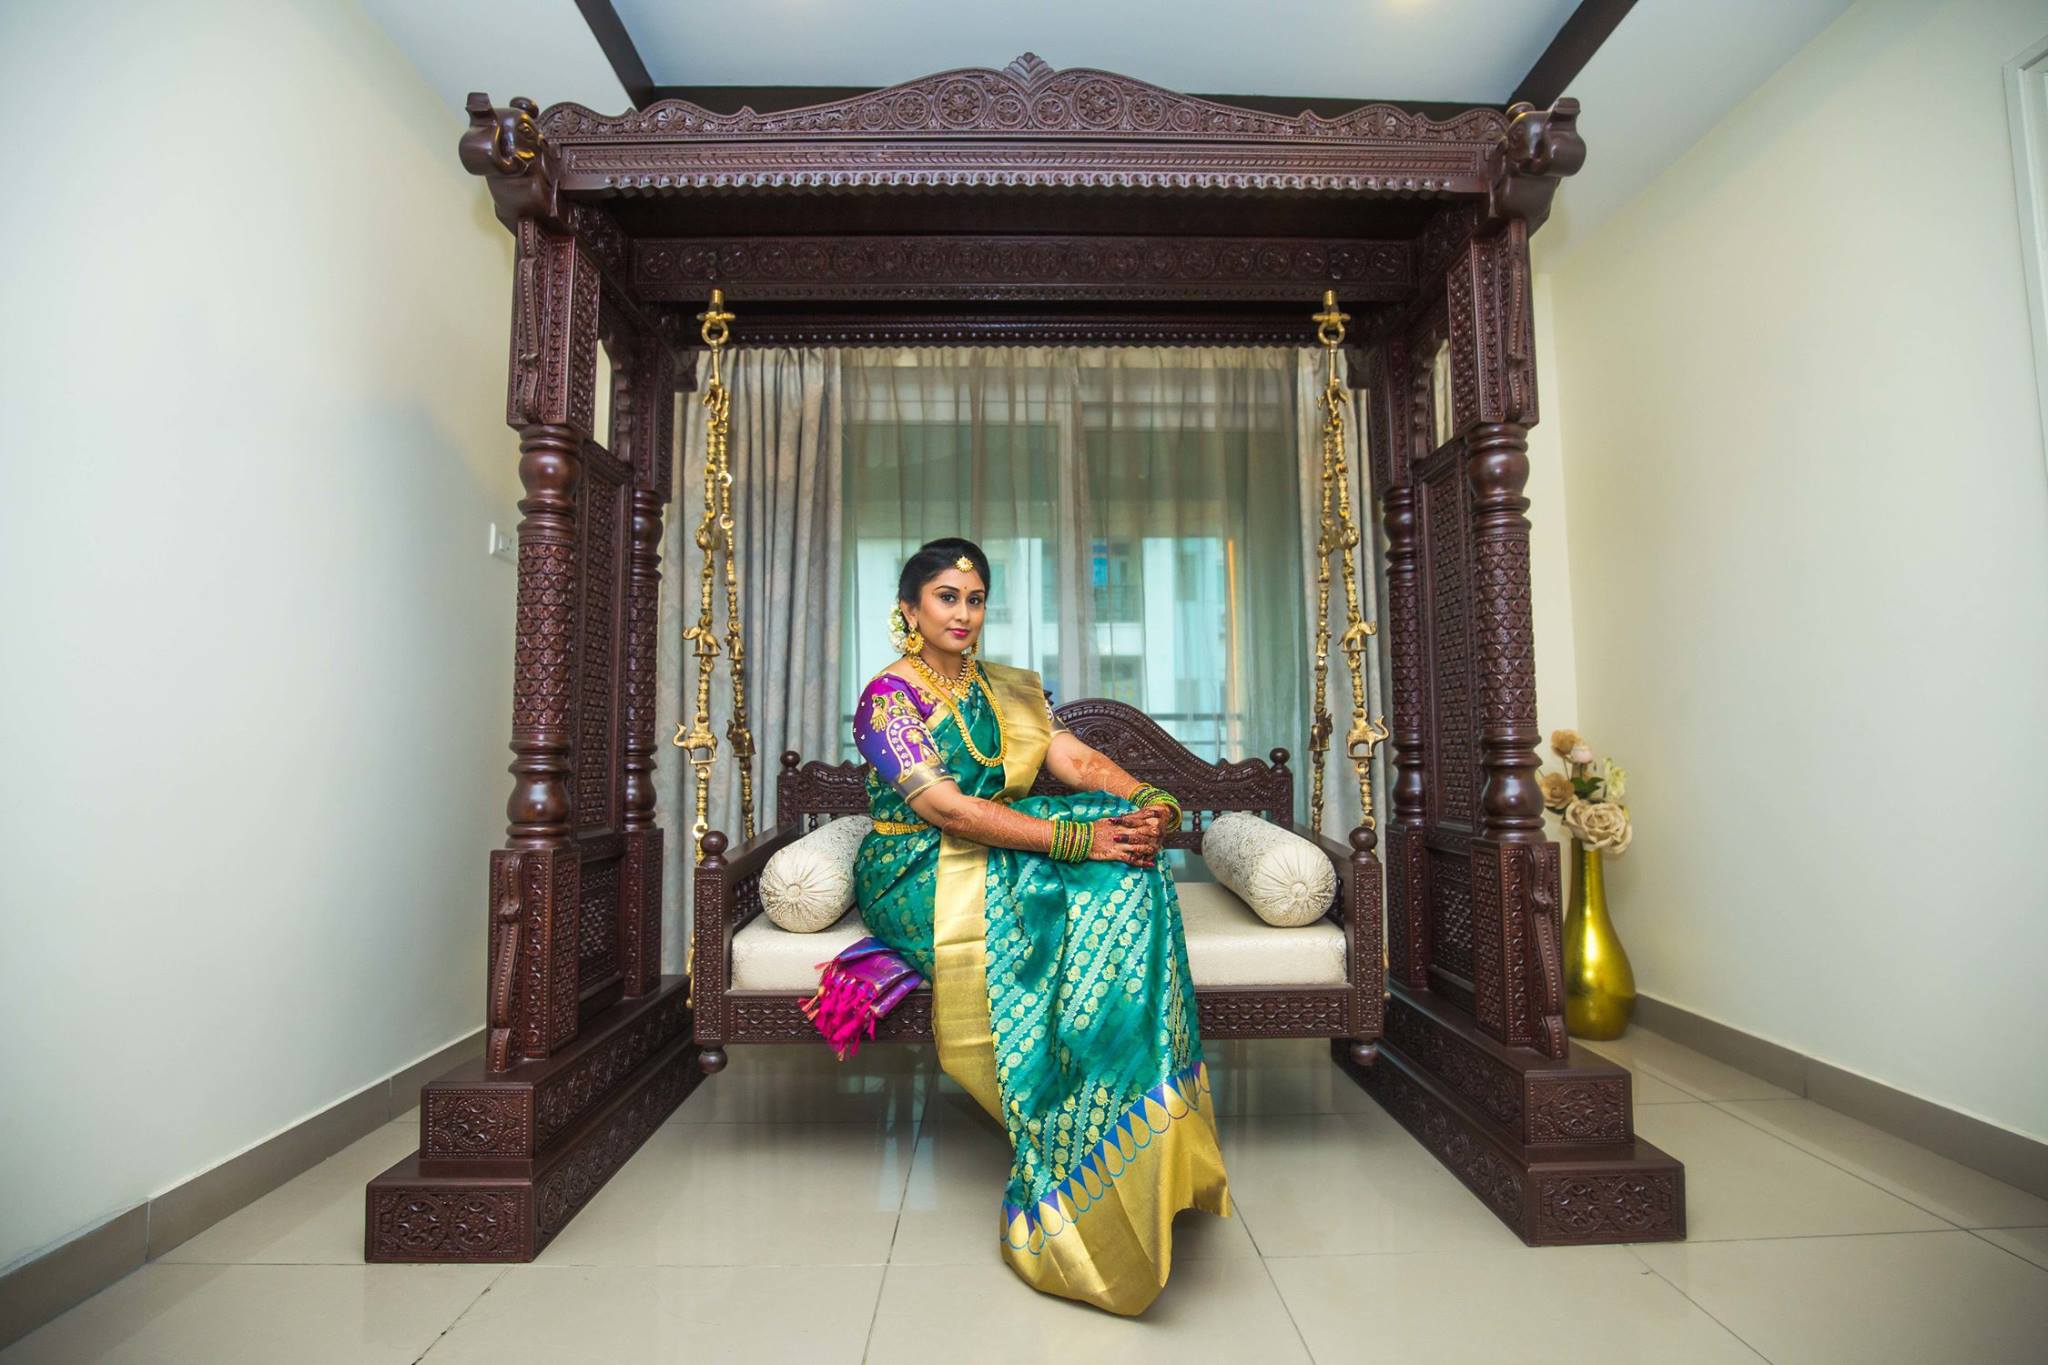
1140 513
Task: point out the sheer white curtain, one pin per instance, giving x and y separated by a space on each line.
1140 510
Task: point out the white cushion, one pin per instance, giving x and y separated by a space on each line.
808 885
765 958
1227 946
1285 879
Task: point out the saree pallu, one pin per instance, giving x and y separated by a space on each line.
1061 1003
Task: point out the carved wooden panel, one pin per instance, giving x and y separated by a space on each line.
640 910
569 1184
533 962
550 954
1273 1014
449 1224
475 1123
1452 743
1583 1111
1610 1206
598 776
895 268
1027 124
554 332
1129 736
1492 335
1144 749
1408 940
1466 399
1442 238
597 927
1482 1081
564 1097
1016 327
1450 913
1472 1159
1496 948
780 1018
1317 1013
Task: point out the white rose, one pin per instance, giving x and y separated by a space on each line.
1600 824
1580 754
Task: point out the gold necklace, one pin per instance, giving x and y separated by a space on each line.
944 691
957 688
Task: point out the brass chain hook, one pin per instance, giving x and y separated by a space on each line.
714 540
1339 537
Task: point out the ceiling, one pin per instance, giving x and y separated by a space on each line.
1461 51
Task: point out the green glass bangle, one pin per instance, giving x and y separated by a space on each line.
1070 840
1149 795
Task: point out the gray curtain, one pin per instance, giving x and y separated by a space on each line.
785 448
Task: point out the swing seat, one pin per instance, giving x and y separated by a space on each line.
1252 980
1228 945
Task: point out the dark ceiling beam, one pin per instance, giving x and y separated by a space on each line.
618 48
1570 50
1573 47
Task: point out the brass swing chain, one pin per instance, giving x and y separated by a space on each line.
1339 536
715 541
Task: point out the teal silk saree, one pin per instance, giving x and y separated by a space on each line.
1061 997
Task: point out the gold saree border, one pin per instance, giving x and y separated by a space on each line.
1104 1236
960 1017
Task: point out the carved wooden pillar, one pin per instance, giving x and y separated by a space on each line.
536 879
1393 441
644 413
1517 971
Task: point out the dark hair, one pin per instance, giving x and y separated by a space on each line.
934 558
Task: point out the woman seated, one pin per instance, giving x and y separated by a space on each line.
1052 938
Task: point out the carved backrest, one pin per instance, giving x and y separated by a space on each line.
813 792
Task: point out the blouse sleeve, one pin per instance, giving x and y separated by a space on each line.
889 730
1059 727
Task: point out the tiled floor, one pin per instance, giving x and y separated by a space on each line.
797 1210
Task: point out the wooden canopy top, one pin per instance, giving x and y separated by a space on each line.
1024 127
1049 200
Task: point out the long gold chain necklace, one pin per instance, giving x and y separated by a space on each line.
946 691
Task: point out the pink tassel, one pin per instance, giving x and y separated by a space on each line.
843 1009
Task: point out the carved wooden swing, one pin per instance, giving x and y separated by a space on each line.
1048 207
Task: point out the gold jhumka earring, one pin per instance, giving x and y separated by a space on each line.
907 641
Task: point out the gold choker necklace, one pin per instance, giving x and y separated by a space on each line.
956 688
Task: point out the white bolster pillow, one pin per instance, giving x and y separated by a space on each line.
808 885
1285 879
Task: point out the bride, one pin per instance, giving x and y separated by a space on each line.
1052 938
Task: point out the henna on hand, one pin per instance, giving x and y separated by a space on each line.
1129 839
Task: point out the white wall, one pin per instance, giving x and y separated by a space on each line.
256 692
1809 561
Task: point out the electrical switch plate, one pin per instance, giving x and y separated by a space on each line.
502 546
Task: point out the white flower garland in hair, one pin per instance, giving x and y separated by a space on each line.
899 629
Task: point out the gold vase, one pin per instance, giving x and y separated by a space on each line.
1599 985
